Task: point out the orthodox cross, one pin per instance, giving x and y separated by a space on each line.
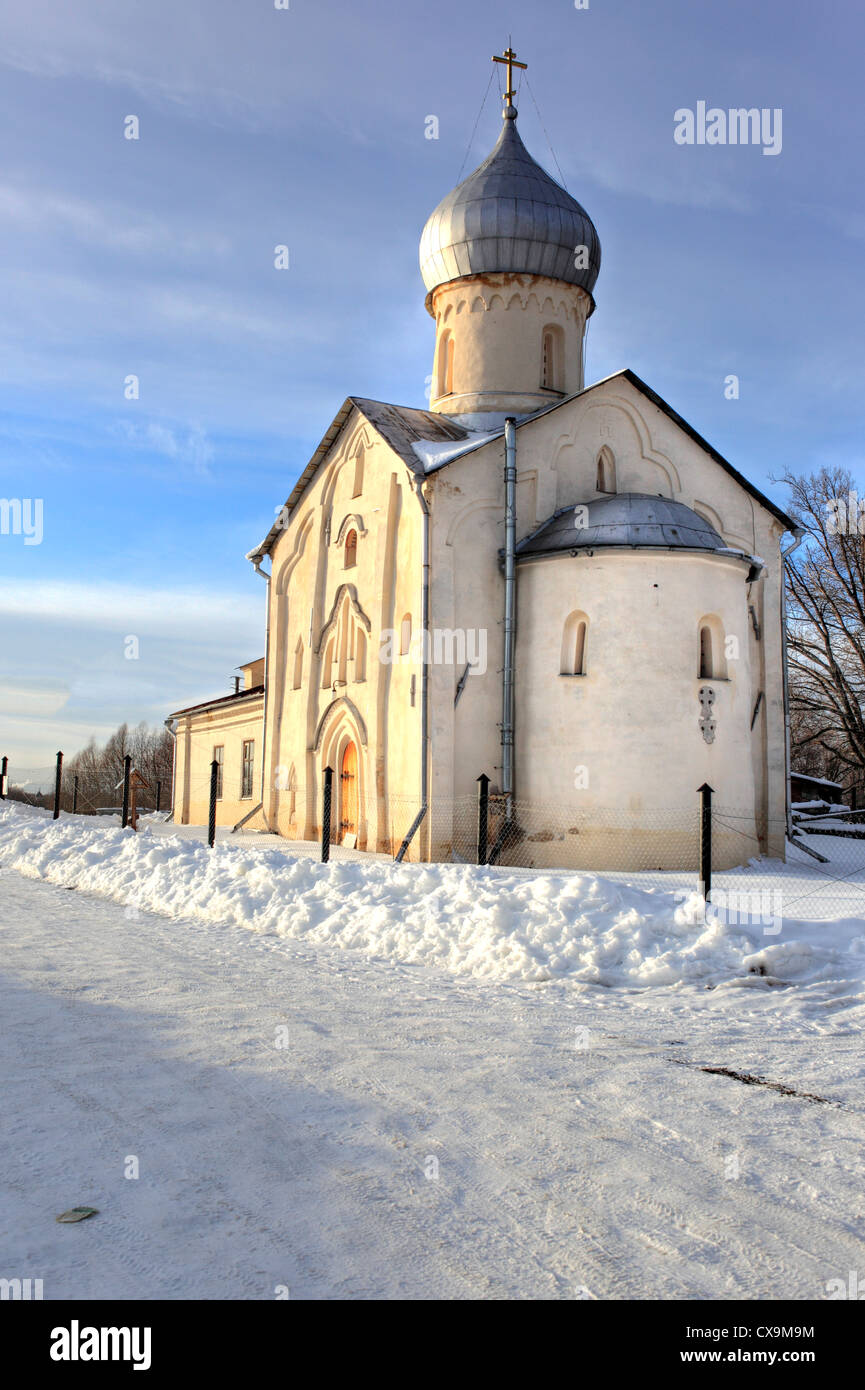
510 58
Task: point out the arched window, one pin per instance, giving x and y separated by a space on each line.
360 655
350 549
552 373
606 480
713 662
298 665
343 642
446 364
405 635
573 660
327 667
706 652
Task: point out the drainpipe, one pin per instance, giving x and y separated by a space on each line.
171 726
256 565
799 536
424 680
510 628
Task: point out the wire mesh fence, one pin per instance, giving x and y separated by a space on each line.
39 788
817 875
822 878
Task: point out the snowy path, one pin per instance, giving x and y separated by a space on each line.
606 1167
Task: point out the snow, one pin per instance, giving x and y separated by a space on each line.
485 923
453 1083
435 453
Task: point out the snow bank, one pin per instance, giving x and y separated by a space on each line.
488 923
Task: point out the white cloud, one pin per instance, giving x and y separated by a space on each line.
114 607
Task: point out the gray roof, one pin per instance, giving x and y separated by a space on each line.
509 215
635 520
399 425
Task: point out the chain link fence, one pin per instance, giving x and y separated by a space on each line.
823 877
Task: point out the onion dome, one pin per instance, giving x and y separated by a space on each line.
509 215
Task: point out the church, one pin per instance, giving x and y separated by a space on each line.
560 587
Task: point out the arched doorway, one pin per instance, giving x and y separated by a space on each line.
348 791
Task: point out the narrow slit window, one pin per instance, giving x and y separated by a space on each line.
327 666
360 655
351 549
573 658
552 358
606 479
706 671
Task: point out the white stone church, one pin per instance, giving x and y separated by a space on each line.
561 586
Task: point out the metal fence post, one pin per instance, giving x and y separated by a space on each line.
3 769
158 795
327 798
75 794
211 820
705 840
127 767
58 780
483 816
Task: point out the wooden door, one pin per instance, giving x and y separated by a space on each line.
348 779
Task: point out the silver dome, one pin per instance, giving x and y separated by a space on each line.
631 519
509 215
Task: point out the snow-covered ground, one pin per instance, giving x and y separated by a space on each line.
369 1080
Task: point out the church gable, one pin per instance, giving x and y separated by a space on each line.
620 437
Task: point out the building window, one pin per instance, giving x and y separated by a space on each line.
360 655
553 358
606 480
573 660
358 474
327 666
298 665
705 652
351 550
713 665
246 775
405 635
219 759
446 364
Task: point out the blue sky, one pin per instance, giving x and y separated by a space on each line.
306 127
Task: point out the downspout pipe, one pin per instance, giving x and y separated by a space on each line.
510 626
171 726
798 537
256 565
424 679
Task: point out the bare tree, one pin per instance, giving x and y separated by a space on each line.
100 770
826 627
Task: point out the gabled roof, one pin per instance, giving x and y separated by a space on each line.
401 426
627 375
398 425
